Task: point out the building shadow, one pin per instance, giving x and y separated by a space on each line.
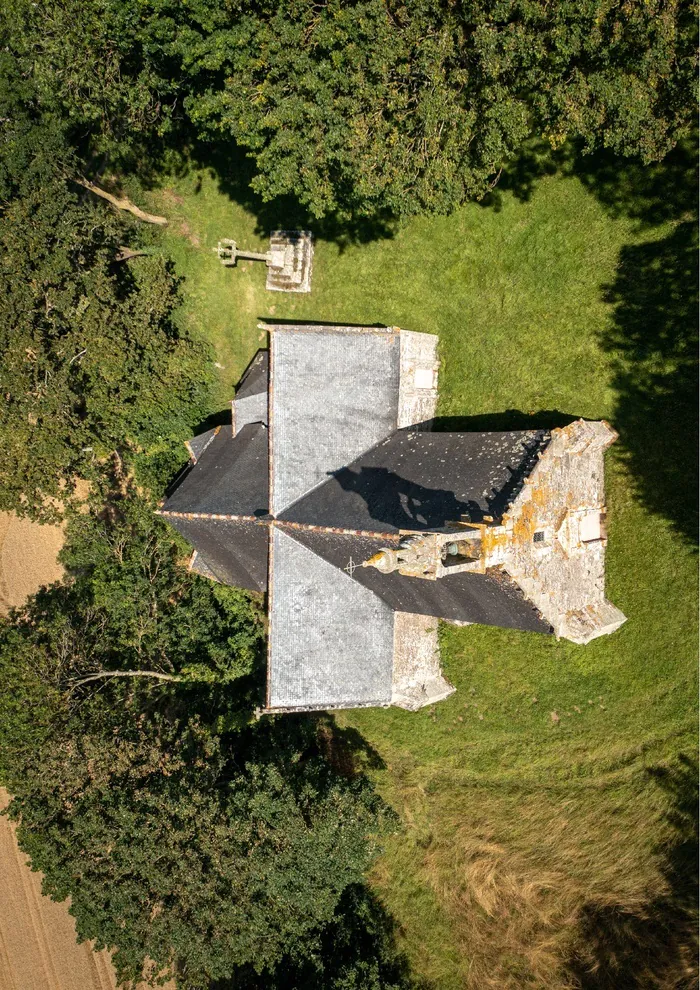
301 321
656 945
402 503
503 422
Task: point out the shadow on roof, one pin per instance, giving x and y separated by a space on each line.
221 418
402 503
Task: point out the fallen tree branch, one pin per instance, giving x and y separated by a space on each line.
125 253
127 673
121 204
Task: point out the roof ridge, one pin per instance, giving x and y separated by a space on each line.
327 328
336 530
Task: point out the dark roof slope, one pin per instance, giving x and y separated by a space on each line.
234 551
490 599
230 477
254 378
250 403
331 640
415 481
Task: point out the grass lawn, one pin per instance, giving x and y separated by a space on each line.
545 805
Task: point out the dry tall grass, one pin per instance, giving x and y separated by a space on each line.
545 894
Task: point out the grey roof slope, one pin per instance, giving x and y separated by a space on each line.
197 445
230 477
234 551
491 599
198 565
332 395
415 481
331 640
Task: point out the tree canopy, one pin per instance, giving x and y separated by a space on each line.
415 107
227 850
370 106
185 832
92 356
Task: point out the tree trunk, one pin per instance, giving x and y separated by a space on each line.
121 204
127 673
125 253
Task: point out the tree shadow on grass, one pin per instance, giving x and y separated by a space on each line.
234 172
346 749
652 193
655 946
358 948
653 338
654 343
654 335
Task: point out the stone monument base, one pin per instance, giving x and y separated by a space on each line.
292 254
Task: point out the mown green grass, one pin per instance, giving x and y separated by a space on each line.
522 835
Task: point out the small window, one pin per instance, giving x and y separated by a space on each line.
538 537
590 527
424 378
460 552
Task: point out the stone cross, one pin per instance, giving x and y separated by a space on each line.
228 254
289 260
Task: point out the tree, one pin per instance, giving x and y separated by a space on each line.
130 604
92 356
369 106
415 107
203 853
184 831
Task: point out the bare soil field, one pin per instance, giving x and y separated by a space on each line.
27 558
38 950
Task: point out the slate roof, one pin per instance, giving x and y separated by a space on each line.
198 565
254 378
234 551
416 481
336 461
197 445
250 403
333 395
491 599
229 478
331 641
